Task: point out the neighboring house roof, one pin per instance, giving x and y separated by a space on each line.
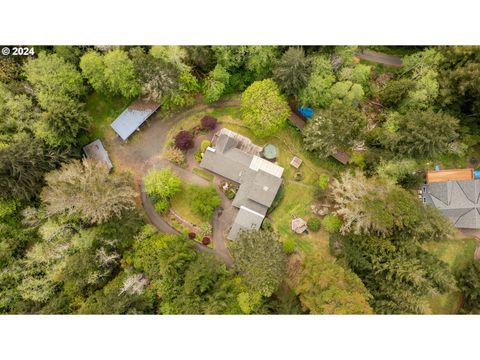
236 158
133 116
450 174
457 200
96 151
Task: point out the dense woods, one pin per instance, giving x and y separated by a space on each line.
73 239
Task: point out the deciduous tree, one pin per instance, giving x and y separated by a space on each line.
53 79
264 109
327 288
87 189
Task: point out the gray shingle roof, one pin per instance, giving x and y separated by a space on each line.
264 188
234 157
132 117
457 200
246 219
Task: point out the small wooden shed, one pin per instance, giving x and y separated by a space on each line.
299 225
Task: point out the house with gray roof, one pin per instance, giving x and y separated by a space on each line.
133 116
458 200
236 158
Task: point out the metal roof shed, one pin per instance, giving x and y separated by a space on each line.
133 116
96 151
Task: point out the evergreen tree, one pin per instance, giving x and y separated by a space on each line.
292 71
23 165
334 129
260 260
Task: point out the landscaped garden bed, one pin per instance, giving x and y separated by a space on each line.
186 207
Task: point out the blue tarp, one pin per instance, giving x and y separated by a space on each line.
476 174
305 111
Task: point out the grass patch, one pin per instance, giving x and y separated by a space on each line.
234 112
457 253
103 109
181 205
188 124
203 174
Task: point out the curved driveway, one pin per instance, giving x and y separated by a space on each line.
143 153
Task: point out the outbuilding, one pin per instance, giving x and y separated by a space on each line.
96 151
133 117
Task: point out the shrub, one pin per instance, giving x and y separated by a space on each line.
198 156
175 155
163 183
289 246
192 235
205 229
331 223
323 181
314 224
204 200
184 140
230 194
206 240
204 145
358 158
208 122
266 224
162 205
277 200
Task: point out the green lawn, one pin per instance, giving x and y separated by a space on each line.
103 109
181 205
298 195
234 112
457 253
203 174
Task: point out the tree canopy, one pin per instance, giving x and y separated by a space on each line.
292 71
264 109
260 259
87 189
326 288
334 129
423 134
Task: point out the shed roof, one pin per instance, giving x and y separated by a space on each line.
133 116
341 156
96 151
296 162
449 174
299 225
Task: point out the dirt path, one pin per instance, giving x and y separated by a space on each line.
143 152
380 58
